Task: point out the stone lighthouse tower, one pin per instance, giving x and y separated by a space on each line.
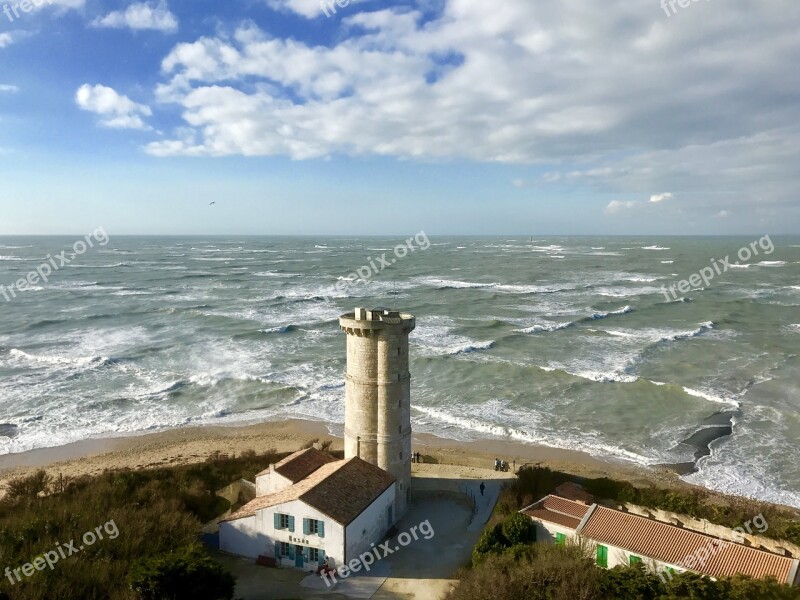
377 412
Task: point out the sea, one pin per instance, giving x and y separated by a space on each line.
569 342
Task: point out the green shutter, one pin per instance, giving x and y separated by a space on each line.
291 551
602 557
277 550
306 526
321 556
634 560
291 523
321 528
277 520
561 539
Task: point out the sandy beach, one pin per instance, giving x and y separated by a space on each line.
196 444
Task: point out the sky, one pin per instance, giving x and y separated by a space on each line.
296 117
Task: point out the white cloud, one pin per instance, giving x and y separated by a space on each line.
11 89
723 214
590 90
305 8
116 111
619 205
660 198
141 15
6 39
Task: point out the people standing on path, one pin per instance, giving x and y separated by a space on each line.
483 487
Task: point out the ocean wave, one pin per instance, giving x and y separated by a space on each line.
121 265
280 329
711 397
545 328
447 284
486 427
771 263
656 247
667 262
471 347
87 361
602 315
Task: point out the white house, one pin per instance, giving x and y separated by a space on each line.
621 538
310 507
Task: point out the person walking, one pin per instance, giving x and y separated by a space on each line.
483 487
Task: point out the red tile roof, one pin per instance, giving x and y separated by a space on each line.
572 491
558 510
301 464
672 545
342 490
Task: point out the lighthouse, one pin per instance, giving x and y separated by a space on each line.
377 424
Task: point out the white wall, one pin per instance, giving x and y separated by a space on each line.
271 482
546 532
242 537
371 525
332 543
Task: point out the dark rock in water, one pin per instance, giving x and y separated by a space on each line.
8 430
701 440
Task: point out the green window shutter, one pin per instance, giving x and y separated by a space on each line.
277 550
306 526
634 560
291 551
602 557
291 523
561 539
321 528
322 556
277 521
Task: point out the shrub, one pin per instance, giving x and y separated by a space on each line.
187 574
518 529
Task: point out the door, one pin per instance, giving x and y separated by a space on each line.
298 557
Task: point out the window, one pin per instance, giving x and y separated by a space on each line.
561 539
283 549
283 521
313 555
634 560
401 455
602 556
313 527
399 352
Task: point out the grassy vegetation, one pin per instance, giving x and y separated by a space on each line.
158 514
550 572
535 483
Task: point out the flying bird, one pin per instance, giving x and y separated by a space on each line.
211 203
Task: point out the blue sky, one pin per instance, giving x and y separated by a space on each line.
452 116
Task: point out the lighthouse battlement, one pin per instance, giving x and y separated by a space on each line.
378 393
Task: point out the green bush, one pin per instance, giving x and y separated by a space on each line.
518 529
186 574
